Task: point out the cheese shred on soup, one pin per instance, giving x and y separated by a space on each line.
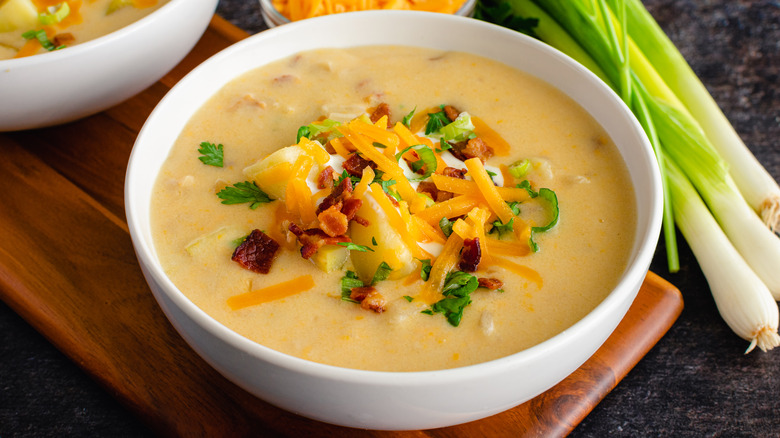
393 209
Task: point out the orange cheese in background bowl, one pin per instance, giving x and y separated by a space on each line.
278 12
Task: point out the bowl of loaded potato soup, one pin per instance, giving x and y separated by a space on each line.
61 60
411 221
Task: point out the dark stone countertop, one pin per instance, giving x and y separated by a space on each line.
695 382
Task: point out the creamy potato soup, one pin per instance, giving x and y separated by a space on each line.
30 27
393 208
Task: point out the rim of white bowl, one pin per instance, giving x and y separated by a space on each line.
645 240
136 26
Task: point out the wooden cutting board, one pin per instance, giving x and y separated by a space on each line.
67 267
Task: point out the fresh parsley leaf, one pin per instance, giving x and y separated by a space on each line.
515 207
373 240
211 154
379 145
446 226
244 192
457 290
237 242
436 121
349 281
407 120
443 145
408 298
355 247
381 274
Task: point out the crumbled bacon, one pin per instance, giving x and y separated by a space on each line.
350 206
257 252
381 110
313 239
325 178
474 148
471 255
341 191
490 283
355 164
454 172
333 222
451 112
369 298
430 189
63 39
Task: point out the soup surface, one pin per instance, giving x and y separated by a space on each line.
30 27
363 313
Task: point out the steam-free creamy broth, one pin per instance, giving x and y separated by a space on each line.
65 23
579 260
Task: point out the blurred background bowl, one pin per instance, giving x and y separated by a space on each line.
393 400
64 85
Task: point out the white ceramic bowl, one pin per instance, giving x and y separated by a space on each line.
388 400
64 85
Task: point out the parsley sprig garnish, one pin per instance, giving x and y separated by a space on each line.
211 154
457 290
243 192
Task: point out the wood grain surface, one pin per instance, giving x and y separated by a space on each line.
67 266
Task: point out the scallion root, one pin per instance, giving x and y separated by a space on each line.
765 339
770 213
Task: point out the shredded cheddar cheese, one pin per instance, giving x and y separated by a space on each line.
271 293
296 10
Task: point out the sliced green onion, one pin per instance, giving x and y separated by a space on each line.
460 129
54 14
519 169
427 157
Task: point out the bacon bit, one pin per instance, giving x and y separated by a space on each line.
451 112
368 298
284 79
350 207
431 190
325 178
355 164
490 283
382 110
341 191
330 149
333 222
313 239
257 252
474 148
454 172
63 39
361 220
471 255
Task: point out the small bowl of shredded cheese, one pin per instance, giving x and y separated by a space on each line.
278 12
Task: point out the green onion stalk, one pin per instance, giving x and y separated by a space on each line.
690 137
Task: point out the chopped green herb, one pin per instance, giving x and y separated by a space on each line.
239 241
40 35
515 207
348 281
373 240
211 154
407 120
303 131
459 130
244 192
436 121
379 145
443 145
322 131
408 298
381 274
503 228
355 247
446 226
458 287
425 268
